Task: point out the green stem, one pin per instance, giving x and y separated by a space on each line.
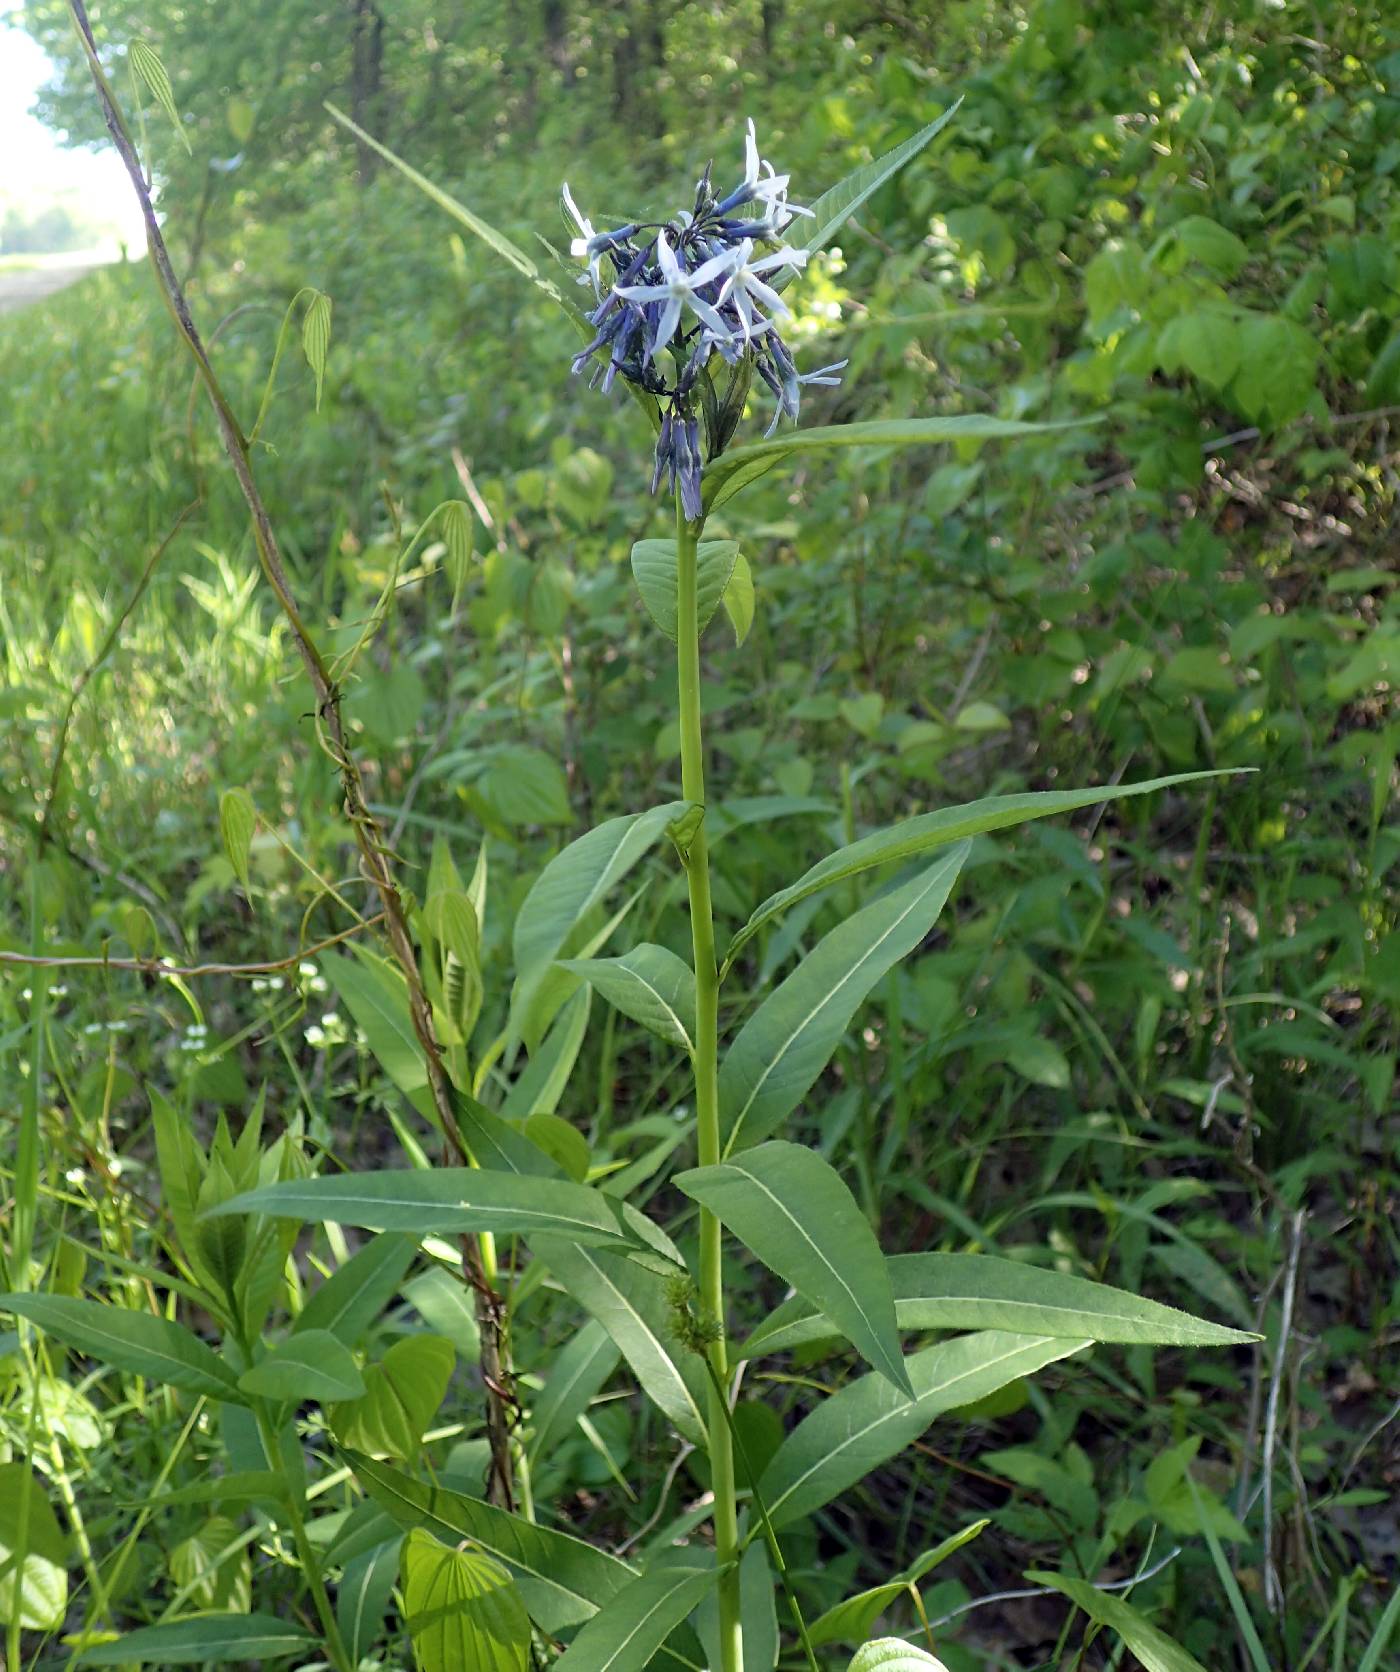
702 930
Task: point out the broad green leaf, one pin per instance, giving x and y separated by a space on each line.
137 1342
311 1364
735 469
211 1573
650 985
852 1620
738 599
936 830
238 819
362 1597
354 1295
577 1373
462 1610
508 251
373 991
446 1200
402 1394
496 1144
654 569
570 884
870 1421
980 1291
1154 1649
217 1638
540 1087
147 65
632 1304
893 1654
316 338
445 1302
838 203
632 1625
564 1580
793 1210
783 1047
37 1594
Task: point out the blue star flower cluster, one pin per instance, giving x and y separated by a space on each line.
694 288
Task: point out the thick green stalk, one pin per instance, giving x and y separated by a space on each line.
702 930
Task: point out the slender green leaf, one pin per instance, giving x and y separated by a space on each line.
563 1580
789 1039
354 1295
632 1304
496 1144
362 1597
243 1486
147 65
853 1619
1156 1651
540 1087
654 569
578 1372
870 1421
312 1364
373 991
735 469
137 1342
936 830
202 1638
979 1291
573 881
238 819
448 1200
444 1300
632 1625
838 203
402 1394
793 1210
738 599
650 985
463 1611
1380 1638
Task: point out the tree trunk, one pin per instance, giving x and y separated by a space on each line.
366 80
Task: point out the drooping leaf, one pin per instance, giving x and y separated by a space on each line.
462 1610
311 1364
447 1200
137 1342
738 599
938 829
893 1654
793 1210
1154 1649
980 1291
146 63
632 1304
563 1580
402 1394
870 1421
316 338
354 1295
204 1638
789 1039
650 985
735 469
498 1145
632 1625
853 1619
35 1593
570 884
654 569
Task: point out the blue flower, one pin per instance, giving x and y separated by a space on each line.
678 289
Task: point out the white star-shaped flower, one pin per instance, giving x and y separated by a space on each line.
745 285
680 289
587 246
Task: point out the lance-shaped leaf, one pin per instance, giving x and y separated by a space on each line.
573 881
935 830
137 1342
789 1039
792 1209
735 469
650 985
204 1639
362 1597
563 1580
633 1305
632 1625
374 993
870 1421
1152 1648
449 1200
498 1145
462 1609
980 1291
354 1295
579 1370
853 1619
654 569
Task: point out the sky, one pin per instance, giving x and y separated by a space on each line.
36 168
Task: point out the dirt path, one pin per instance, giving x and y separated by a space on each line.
20 286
